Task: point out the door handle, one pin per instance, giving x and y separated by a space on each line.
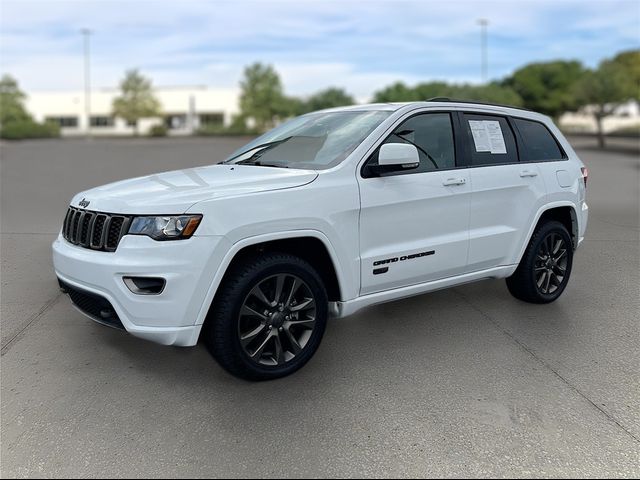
528 173
454 181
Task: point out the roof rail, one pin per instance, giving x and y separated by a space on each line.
473 102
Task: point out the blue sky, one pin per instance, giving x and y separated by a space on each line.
359 45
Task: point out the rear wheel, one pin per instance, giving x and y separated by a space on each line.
545 268
268 318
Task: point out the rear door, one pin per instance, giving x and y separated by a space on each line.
506 193
538 145
414 223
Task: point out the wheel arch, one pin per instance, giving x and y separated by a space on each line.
310 245
563 212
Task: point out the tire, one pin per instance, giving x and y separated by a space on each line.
538 278
254 339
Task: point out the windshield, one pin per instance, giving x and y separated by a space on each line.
315 141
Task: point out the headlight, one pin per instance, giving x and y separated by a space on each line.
165 227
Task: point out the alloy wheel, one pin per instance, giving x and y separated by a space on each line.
551 264
277 319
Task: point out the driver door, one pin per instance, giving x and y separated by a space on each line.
414 224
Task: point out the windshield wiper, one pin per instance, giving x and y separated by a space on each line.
258 163
260 149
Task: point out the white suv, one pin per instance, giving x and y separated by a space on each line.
329 213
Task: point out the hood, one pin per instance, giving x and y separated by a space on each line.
174 192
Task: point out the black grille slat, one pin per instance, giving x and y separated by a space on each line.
72 218
74 226
65 225
105 231
70 222
84 228
96 233
96 230
113 234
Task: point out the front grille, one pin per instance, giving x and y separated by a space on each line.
99 231
93 305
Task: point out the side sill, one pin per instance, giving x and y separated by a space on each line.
344 309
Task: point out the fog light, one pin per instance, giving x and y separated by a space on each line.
145 285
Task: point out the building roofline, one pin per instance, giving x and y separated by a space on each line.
117 89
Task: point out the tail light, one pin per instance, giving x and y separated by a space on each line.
585 175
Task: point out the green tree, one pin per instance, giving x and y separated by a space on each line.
603 90
328 98
489 93
137 100
15 121
427 90
547 87
262 98
492 93
11 102
629 63
397 92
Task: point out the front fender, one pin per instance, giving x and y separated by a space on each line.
231 250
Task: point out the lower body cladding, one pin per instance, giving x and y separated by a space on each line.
110 287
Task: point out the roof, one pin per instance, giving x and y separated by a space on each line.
441 102
389 107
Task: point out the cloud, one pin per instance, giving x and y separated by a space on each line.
359 45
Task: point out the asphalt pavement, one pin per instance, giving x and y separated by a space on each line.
456 383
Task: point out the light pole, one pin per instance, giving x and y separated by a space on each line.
86 34
484 23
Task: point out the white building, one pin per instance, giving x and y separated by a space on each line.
184 110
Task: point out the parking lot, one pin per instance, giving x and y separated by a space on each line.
456 383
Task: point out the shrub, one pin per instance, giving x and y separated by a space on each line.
158 131
24 129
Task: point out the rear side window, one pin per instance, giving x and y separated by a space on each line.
538 144
490 140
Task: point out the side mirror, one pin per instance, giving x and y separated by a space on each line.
394 157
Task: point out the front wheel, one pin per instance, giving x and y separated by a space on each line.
268 317
543 272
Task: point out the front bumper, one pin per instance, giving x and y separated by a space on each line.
173 317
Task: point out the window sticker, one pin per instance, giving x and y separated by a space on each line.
487 136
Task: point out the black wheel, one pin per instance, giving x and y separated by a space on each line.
268 317
543 272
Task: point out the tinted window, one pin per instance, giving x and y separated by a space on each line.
490 140
101 121
432 134
216 119
538 143
64 122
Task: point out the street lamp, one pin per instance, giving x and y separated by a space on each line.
86 34
484 23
